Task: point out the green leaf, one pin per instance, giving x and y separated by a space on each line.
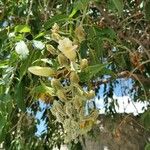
22 28
56 19
2 120
91 71
48 89
27 62
119 5
42 71
147 147
19 95
79 5
146 119
147 9
39 35
83 49
38 89
43 89
4 64
95 31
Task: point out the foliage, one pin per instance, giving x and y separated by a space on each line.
60 53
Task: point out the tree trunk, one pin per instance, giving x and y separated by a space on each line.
123 132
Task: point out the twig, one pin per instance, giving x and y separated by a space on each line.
29 12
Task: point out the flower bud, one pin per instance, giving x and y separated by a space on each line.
80 34
55 83
45 97
90 94
63 61
94 115
69 109
55 32
55 28
74 78
51 49
67 47
57 107
61 95
60 118
56 37
83 63
77 102
86 125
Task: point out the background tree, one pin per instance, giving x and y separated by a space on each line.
94 43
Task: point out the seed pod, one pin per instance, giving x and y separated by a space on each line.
74 78
67 47
86 125
51 49
57 107
55 33
83 63
94 115
60 118
45 97
56 37
77 102
56 84
90 94
42 71
61 95
53 111
69 109
55 28
80 34
63 61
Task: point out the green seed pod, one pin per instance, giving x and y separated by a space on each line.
74 78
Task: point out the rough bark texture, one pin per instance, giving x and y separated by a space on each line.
119 133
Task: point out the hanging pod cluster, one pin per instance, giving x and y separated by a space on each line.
70 107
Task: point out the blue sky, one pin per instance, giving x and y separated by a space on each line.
121 93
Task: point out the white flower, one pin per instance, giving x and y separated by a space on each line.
38 44
12 34
22 49
67 48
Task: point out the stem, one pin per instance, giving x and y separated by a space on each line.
29 11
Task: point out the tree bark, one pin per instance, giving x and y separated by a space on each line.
123 132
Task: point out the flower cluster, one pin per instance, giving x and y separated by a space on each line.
70 109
